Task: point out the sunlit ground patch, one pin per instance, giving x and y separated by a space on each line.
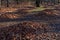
41 8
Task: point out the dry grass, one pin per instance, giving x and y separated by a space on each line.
15 7
29 30
8 9
10 16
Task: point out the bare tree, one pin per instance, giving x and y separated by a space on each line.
37 2
7 3
58 1
17 1
1 2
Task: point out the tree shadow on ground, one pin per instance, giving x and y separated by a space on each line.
40 15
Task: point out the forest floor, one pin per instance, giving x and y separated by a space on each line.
31 24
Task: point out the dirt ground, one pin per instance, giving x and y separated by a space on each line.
36 25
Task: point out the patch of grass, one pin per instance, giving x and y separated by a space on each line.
41 8
37 9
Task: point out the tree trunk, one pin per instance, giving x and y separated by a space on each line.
1 2
37 3
7 3
17 1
